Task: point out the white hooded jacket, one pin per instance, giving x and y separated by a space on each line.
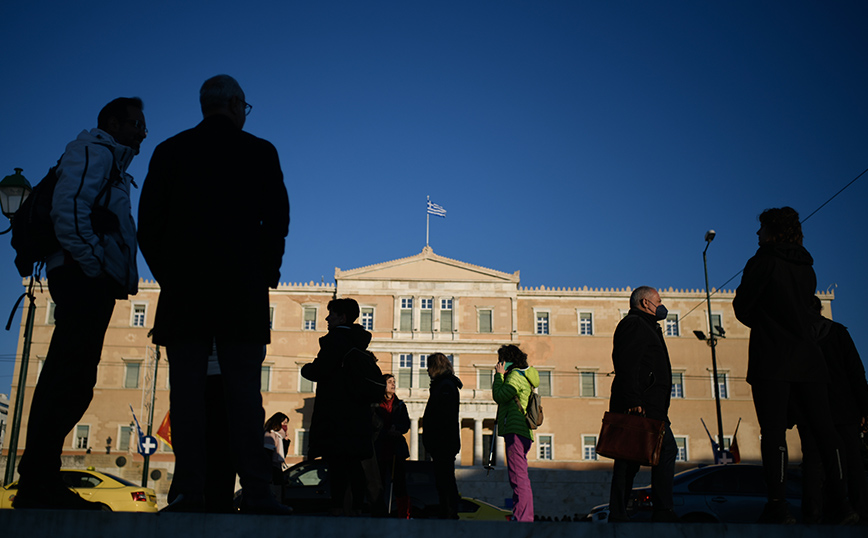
83 171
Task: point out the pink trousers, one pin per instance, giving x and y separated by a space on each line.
517 447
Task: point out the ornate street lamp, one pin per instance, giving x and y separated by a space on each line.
14 189
712 342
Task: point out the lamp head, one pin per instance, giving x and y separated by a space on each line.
709 235
14 189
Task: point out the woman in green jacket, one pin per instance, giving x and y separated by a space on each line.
513 382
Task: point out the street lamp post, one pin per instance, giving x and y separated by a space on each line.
14 189
712 342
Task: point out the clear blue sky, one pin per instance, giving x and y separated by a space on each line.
582 143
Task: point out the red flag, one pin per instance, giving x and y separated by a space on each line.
733 449
165 431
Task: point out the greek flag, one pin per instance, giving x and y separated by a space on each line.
140 432
436 210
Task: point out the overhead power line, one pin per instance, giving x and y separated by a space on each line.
802 222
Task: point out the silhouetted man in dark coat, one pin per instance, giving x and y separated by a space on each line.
213 216
643 385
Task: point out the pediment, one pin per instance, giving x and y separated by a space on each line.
426 266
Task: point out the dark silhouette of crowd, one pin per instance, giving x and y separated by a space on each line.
803 369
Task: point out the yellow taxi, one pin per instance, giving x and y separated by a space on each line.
113 493
476 510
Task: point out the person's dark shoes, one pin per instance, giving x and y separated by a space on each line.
777 512
844 517
265 506
186 504
56 497
664 516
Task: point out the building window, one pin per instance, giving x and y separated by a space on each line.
545 383
681 443
368 319
716 325
485 321
138 314
588 387
589 447
82 433
672 325
309 318
445 315
302 438
542 323
265 379
586 323
270 317
407 314
722 382
131 374
426 316
677 385
49 319
125 432
546 451
484 378
304 384
405 370
423 379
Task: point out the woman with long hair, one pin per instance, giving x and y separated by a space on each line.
786 368
441 431
276 443
513 382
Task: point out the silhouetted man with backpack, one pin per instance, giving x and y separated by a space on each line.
94 267
341 426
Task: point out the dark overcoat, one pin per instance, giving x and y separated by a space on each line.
340 424
213 215
775 300
643 373
441 432
848 392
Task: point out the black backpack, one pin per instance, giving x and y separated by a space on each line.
362 378
33 236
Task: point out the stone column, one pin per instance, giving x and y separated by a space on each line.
414 439
478 456
501 452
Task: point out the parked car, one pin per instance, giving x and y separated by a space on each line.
307 491
113 493
712 494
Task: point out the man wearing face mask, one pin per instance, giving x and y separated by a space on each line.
643 385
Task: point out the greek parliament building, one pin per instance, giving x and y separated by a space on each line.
423 304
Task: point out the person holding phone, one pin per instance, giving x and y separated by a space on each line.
513 382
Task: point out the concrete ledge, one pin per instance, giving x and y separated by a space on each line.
61 523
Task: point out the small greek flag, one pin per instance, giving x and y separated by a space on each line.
436 210
139 430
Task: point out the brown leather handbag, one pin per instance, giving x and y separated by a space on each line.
631 437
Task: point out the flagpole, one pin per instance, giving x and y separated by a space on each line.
427 222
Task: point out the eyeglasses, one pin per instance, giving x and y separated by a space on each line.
139 124
247 108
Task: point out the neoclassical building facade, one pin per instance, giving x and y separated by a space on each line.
428 303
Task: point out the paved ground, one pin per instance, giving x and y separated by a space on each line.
61 524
